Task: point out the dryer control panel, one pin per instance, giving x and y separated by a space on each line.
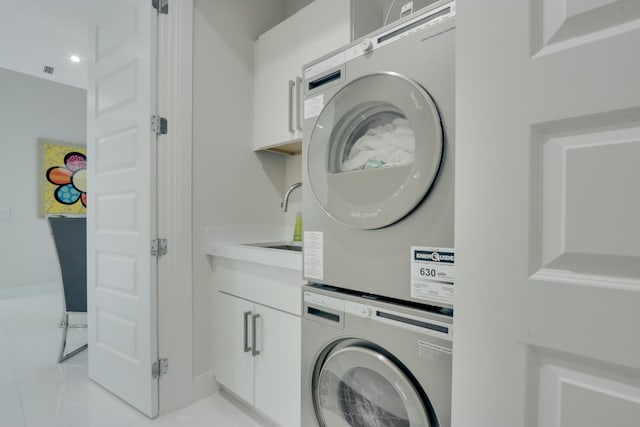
397 32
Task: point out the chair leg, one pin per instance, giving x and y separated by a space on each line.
63 344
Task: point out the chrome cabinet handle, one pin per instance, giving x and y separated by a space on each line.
291 85
299 104
254 352
246 332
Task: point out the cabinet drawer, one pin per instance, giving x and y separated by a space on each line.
275 287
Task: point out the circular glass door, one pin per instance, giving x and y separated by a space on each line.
375 151
360 387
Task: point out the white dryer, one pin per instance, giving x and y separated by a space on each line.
378 161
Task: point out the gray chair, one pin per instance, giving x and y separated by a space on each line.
70 239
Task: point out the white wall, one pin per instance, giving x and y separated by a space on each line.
293 174
232 185
35 33
31 108
295 5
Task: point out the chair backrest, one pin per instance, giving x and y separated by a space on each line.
70 238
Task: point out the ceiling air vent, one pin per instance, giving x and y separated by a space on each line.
47 69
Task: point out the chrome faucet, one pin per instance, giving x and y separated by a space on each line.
285 201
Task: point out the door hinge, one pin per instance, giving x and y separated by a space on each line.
160 368
159 125
159 247
162 6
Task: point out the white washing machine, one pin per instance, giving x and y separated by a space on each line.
372 363
378 162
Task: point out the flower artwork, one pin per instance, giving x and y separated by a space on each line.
65 178
70 179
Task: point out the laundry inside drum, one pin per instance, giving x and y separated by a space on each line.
372 136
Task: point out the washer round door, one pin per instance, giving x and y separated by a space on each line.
361 387
375 151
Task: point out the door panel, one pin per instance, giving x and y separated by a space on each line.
121 202
277 367
548 111
234 365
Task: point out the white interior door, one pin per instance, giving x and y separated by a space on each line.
121 222
547 301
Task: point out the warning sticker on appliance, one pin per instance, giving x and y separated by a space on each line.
313 255
429 350
432 274
313 106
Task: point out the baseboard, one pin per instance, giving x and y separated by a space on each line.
204 385
250 411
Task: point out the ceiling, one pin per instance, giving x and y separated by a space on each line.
35 33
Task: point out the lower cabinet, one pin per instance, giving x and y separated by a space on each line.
258 355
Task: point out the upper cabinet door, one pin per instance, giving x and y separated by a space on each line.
280 53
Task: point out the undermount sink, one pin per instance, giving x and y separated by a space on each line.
286 247
278 245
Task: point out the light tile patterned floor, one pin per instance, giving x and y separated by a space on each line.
35 391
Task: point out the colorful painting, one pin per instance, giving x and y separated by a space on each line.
63 178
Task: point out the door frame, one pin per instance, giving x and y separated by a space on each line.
175 269
173 276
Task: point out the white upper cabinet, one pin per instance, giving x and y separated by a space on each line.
280 53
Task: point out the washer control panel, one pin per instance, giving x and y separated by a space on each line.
331 311
360 310
402 320
324 309
324 301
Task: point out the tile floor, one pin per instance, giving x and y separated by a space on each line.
35 391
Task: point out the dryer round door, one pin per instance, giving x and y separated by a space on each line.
375 151
360 387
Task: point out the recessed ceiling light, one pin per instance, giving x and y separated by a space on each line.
74 58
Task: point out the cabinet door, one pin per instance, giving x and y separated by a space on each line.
274 100
325 26
234 365
277 368
280 53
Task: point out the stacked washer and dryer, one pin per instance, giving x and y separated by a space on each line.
378 189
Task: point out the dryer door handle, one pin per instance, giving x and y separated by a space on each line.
254 351
246 331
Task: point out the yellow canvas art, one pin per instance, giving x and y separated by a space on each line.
63 178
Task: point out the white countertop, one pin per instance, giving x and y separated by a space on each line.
221 243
